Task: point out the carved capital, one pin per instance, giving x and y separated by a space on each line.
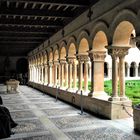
71 60
56 63
97 55
83 57
62 61
118 51
50 63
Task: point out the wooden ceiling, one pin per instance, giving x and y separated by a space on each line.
24 24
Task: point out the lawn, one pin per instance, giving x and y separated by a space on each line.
132 89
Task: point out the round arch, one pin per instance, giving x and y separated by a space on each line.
125 17
72 50
100 41
133 69
50 56
72 46
56 55
83 46
83 42
101 26
122 34
62 50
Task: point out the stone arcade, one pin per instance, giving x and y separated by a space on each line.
67 59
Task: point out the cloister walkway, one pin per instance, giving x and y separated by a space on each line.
40 117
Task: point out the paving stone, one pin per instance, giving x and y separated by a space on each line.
29 126
41 118
22 114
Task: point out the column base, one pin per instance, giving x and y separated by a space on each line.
99 94
114 99
123 98
83 92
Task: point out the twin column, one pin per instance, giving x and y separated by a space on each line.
118 54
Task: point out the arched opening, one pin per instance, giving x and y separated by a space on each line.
123 33
83 64
63 68
63 53
105 69
56 67
72 68
83 46
22 70
100 68
100 41
133 69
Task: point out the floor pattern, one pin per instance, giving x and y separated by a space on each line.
40 117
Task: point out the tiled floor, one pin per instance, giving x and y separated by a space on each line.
40 117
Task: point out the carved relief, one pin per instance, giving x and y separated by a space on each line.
97 55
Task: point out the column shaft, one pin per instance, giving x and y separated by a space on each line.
114 77
122 76
85 76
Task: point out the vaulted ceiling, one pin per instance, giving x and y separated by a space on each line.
24 24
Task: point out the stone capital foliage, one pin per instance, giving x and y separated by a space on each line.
116 51
97 55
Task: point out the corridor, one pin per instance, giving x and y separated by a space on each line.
40 117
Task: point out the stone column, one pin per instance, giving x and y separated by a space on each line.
42 80
50 74
30 73
83 59
37 74
62 62
97 78
114 79
86 72
89 70
66 74
118 52
122 52
80 75
55 73
46 74
136 70
70 77
128 71
75 75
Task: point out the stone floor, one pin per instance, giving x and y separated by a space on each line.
40 117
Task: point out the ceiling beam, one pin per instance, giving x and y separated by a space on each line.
11 34
21 38
19 42
4 21
26 30
21 32
77 3
34 12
